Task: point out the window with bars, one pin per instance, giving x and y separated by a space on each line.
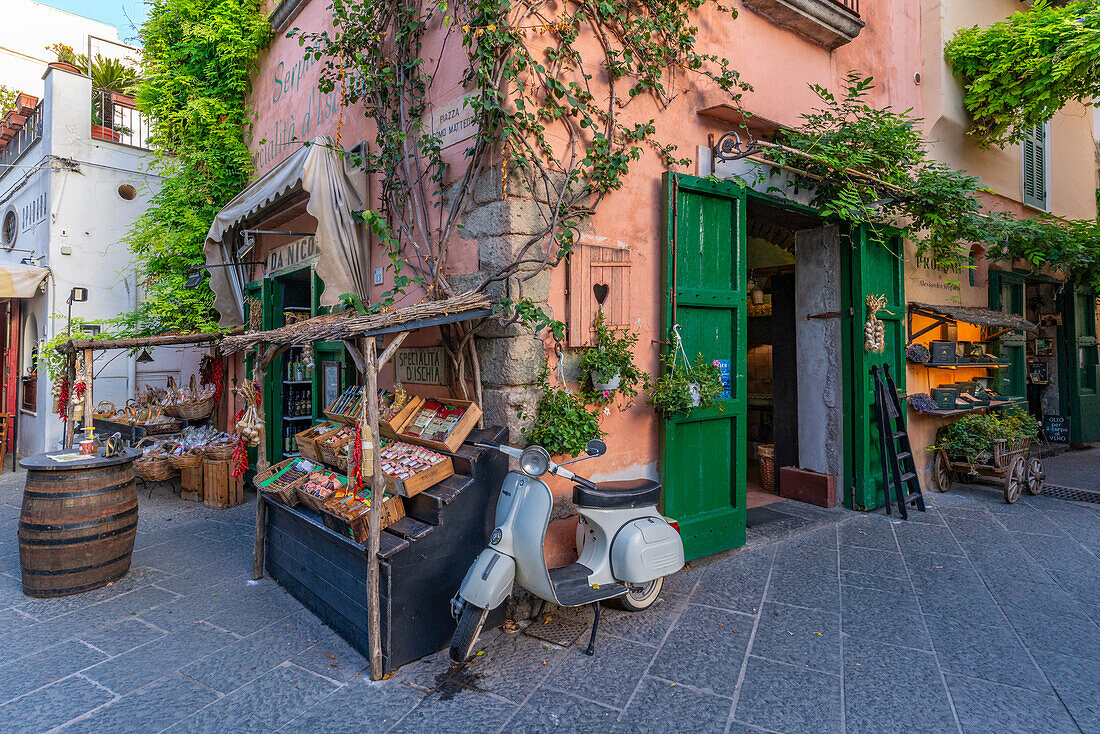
1033 149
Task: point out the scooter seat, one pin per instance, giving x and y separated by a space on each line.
609 495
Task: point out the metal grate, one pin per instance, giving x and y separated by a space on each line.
1071 493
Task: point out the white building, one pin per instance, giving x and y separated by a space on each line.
69 193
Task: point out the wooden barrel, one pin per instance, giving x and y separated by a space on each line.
78 523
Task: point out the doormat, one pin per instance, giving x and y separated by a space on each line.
1071 493
562 627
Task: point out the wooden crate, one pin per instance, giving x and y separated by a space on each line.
350 516
220 489
307 447
461 430
390 428
191 484
420 481
328 448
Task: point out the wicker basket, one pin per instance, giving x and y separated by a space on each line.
155 467
220 452
190 460
329 449
191 410
284 495
765 456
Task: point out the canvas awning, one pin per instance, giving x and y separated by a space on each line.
20 281
317 169
976 315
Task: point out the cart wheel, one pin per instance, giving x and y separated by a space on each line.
1014 480
1036 476
941 472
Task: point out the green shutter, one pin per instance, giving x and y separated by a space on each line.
1033 151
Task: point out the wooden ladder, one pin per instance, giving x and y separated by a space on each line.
899 470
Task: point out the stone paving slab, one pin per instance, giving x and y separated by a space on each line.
974 617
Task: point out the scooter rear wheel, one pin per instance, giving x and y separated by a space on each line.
640 597
469 629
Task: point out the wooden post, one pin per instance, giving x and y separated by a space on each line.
89 378
377 492
70 372
258 372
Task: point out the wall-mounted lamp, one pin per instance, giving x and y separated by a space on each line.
76 295
144 357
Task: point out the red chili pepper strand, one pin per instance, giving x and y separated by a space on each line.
79 388
357 460
63 398
240 458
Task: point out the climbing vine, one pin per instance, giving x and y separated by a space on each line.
865 164
1018 73
197 58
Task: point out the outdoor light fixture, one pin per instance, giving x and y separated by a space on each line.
193 279
194 274
76 295
145 357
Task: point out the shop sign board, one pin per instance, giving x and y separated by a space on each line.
1056 428
299 252
421 365
453 122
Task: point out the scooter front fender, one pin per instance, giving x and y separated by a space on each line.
489 580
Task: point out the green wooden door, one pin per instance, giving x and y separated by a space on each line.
1079 363
703 452
1006 294
261 291
873 265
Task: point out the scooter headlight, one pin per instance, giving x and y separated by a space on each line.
535 461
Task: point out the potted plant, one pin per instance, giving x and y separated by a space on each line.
66 59
609 362
684 386
562 423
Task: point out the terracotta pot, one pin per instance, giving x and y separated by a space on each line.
99 132
122 100
66 66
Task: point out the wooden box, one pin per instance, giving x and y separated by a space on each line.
307 439
390 428
809 486
962 352
343 419
458 434
350 516
942 352
220 489
420 481
328 445
944 397
191 484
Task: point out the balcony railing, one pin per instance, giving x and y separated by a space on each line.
26 136
115 118
851 6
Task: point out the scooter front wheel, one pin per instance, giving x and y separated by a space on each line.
470 624
640 597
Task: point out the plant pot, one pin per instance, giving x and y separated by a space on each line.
100 132
65 65
599 382
696 396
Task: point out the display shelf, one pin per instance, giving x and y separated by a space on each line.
296 308
961 365
297 417
297 382
974 409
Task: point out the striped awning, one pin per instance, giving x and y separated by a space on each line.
21 281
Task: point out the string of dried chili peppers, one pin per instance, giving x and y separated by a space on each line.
212 372
63 398
357 459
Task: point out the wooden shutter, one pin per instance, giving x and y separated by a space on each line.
1033 150
591 268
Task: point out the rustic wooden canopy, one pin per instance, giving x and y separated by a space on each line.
975 315
161 340
350 325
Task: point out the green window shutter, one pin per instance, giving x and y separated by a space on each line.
1033 152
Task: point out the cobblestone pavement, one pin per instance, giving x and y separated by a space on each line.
977 616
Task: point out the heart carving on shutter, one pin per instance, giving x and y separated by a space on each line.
599 277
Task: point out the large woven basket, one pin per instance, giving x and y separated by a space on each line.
190 410
329 449
190 460
220 452
285 495
155 467
765 455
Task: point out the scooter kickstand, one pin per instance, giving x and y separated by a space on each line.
592 640
542 608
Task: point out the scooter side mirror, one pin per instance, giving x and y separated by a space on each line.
595 447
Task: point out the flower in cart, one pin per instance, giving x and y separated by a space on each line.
606 395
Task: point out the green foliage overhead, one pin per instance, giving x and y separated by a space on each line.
865 164
7 99
1018 73
198 55
562 423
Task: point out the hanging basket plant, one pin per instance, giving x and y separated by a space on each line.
684 385
608 365
562 423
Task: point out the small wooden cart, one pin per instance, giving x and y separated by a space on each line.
1012 466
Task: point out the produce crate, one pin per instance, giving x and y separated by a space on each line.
466 423
350 516
390 428
284 494
312 501
307 439
220 489
328 445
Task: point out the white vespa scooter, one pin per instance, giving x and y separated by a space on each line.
626 547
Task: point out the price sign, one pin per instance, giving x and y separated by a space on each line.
1056 428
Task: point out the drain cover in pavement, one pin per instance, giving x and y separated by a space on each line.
1071 493
562 628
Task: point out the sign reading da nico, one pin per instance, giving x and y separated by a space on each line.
298 252
423 365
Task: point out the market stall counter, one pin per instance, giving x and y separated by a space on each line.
422 558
